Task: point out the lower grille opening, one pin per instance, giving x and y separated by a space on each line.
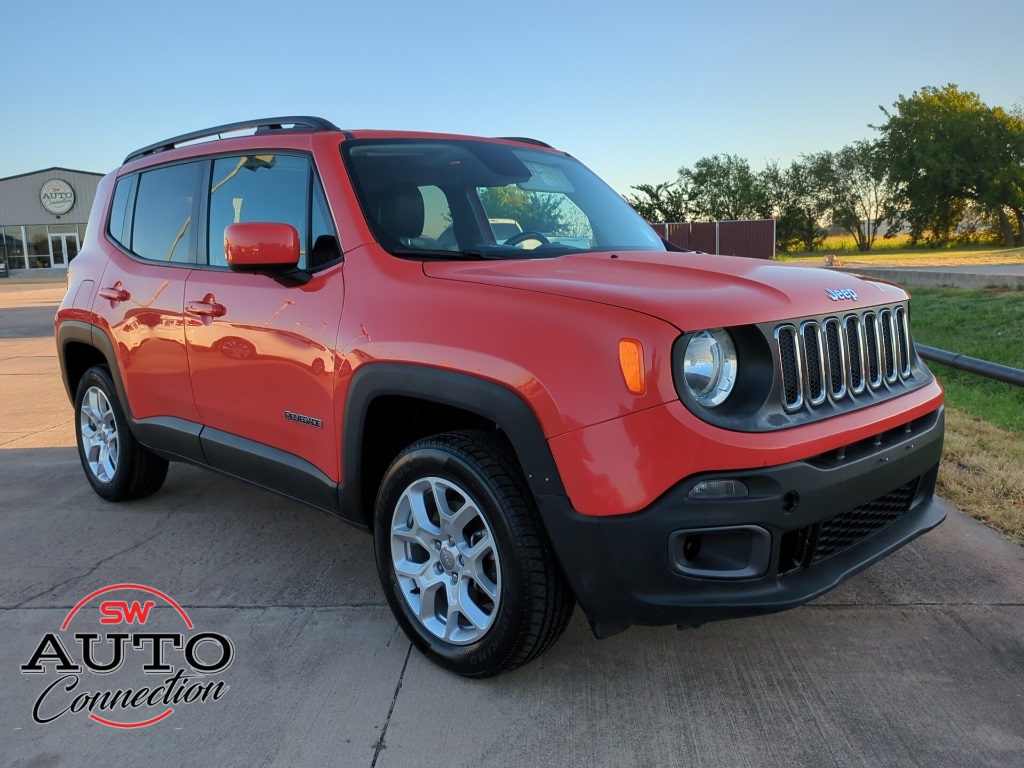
811 544
853 451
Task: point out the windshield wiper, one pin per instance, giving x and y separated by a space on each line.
474 254
438 254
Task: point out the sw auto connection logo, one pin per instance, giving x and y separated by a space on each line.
128 679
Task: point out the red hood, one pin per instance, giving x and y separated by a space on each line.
688 290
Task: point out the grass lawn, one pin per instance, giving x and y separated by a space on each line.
958 256
983 461
986 324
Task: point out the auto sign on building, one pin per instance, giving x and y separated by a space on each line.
57 196
42 219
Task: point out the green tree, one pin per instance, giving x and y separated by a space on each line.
793 196
1003 197
945 149
660 203
535 211
722 188
856 190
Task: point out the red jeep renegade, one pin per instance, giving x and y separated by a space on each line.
567 410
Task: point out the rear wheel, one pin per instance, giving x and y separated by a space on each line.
117 466
466 567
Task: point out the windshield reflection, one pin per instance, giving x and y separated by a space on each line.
454 198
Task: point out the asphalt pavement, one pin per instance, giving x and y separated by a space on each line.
918 661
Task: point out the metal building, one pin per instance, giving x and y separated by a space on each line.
42 219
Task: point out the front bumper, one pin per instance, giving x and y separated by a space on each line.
805 527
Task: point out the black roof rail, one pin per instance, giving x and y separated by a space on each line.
525 140
265 125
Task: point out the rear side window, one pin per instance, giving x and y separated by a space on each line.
120 222
162 223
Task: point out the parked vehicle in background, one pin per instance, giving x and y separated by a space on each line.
503 229
339 317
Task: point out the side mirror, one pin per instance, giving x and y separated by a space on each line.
264 248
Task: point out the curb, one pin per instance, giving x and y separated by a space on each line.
28 282
921 277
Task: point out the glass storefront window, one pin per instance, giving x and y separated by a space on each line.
14 246
37 240
40 246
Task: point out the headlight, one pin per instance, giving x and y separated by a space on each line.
709 366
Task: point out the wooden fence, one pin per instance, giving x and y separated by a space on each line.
754 239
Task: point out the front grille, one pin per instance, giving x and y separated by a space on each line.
835 355
811 544
789 361
902 340
888 345
871 347
855 344
833 358
814 363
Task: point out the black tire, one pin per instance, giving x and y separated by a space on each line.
117 466
508 600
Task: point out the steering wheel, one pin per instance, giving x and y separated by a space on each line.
528 235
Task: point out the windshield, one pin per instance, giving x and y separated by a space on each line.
460 198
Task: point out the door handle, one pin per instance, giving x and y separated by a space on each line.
208 307
115 294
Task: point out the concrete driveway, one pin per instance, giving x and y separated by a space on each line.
918 661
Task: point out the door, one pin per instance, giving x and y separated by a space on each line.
262 353
63 248
150 246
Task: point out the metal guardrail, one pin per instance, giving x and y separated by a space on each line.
984 368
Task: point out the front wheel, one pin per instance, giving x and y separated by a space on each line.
117 466
466 567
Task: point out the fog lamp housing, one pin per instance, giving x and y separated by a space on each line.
718 489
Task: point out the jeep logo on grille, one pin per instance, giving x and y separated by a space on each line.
842 293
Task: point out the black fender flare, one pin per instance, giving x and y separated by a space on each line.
487 399
78 331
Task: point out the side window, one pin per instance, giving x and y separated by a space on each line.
326 247
264 188
119 210
437 215
576 229
512 210
410 216
162 224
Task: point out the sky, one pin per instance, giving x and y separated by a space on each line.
633 89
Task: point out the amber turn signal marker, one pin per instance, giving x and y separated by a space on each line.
631 361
